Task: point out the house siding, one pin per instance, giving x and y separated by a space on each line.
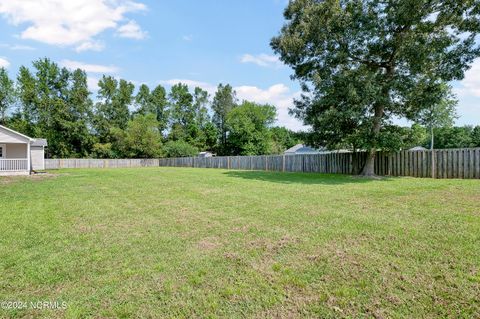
16 150
38 161
10 137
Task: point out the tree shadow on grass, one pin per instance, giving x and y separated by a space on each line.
304 178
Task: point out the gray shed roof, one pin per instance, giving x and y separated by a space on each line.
417 148
39 142
300 149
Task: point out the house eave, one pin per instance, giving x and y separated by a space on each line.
27 138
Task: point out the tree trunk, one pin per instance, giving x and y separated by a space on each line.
369 168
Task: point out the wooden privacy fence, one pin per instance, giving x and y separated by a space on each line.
100 163
448 163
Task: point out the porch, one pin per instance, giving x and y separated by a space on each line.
14 159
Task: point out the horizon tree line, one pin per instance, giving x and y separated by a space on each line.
55 103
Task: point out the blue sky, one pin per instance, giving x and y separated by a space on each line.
162 42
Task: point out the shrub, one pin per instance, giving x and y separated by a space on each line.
179 148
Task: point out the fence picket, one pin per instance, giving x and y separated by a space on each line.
450 163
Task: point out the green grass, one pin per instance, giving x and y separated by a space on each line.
166 242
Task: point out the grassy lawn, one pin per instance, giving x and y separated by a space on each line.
173 242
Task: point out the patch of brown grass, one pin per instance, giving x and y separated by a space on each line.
5 180
208 244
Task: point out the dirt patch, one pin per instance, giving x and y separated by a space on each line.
243 229
91 228
208 244
293 306
233 257
270 249
273 247
5 180
344 253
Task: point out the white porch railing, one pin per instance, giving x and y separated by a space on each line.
13 164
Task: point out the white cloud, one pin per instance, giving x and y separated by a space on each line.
470 85
187 38
4 63
90 45
91 68
278 95
468 91
263 59
17 47
73 23
131 30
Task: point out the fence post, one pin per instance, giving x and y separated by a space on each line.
266 163
228 162
433 163
283 163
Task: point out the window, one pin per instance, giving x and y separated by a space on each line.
2 151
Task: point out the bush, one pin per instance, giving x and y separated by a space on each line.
141 138
103 150
179 149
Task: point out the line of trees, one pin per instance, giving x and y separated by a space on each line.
55 103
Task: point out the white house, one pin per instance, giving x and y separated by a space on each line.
20 154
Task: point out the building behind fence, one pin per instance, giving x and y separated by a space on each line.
448 163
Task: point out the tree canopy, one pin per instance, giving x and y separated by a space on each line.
359 61
7 94
248 126
121 121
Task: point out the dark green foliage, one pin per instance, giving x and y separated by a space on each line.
181 110
223 102
454 137
248 129
154 102
80 113
283 139
55 105
189 117
396 138
158 100
27 113
7 94
437 109
143 101
211 135
179 148
360 62
476 136
104 150
141 138
112 110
